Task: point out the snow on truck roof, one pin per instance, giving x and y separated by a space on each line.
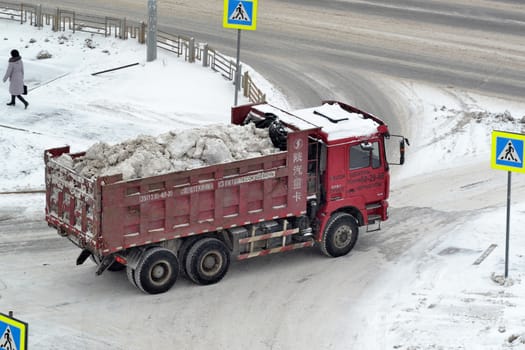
336 122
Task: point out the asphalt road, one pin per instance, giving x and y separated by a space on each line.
350 49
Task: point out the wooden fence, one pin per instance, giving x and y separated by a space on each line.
63 20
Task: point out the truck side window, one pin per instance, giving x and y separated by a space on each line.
363 157
376 160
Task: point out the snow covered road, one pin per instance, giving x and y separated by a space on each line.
410 286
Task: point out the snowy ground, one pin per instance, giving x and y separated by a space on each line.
412 285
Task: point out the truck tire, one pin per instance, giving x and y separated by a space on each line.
340 235
207 261
156 271
278 135
130 273
184 250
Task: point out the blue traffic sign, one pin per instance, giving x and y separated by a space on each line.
508 151
13 333
240 14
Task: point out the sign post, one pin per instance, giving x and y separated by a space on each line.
152 31
13 333
239 14
508 154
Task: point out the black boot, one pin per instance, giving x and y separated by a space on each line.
23 101
12 103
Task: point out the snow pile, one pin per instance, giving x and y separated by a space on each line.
482 116
173 151
448 133
475 123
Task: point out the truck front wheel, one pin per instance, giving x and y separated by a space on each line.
157 270
207 261
340 235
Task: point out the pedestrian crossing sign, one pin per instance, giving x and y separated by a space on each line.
13 333
240 14
508 151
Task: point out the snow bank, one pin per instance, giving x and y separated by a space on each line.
173 151
450 129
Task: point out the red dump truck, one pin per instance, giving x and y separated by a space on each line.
329 178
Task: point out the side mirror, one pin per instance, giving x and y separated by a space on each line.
402 151
403 140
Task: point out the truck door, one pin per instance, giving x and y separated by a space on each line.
335 176
366 171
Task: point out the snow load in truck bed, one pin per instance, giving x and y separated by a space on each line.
173 151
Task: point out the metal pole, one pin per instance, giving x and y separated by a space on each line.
238 68
152 31
191 50
39 21
507 239
205 55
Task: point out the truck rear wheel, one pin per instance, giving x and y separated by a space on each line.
130 273
207 261
340 235
156 271
184 250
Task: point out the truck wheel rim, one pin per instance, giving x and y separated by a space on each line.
160 272
211 263
342 237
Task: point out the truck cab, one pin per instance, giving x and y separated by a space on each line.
348 171
354 174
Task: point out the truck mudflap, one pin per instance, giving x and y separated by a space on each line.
83 256
103 265
106 262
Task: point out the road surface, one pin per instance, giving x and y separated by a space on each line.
311 50
349 49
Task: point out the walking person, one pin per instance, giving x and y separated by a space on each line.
15 74
510 153
8 341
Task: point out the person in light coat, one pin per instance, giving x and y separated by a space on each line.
15 74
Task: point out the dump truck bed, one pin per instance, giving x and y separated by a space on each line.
108 214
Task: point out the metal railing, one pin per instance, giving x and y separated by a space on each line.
222 64
252 92
63 20
177 44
